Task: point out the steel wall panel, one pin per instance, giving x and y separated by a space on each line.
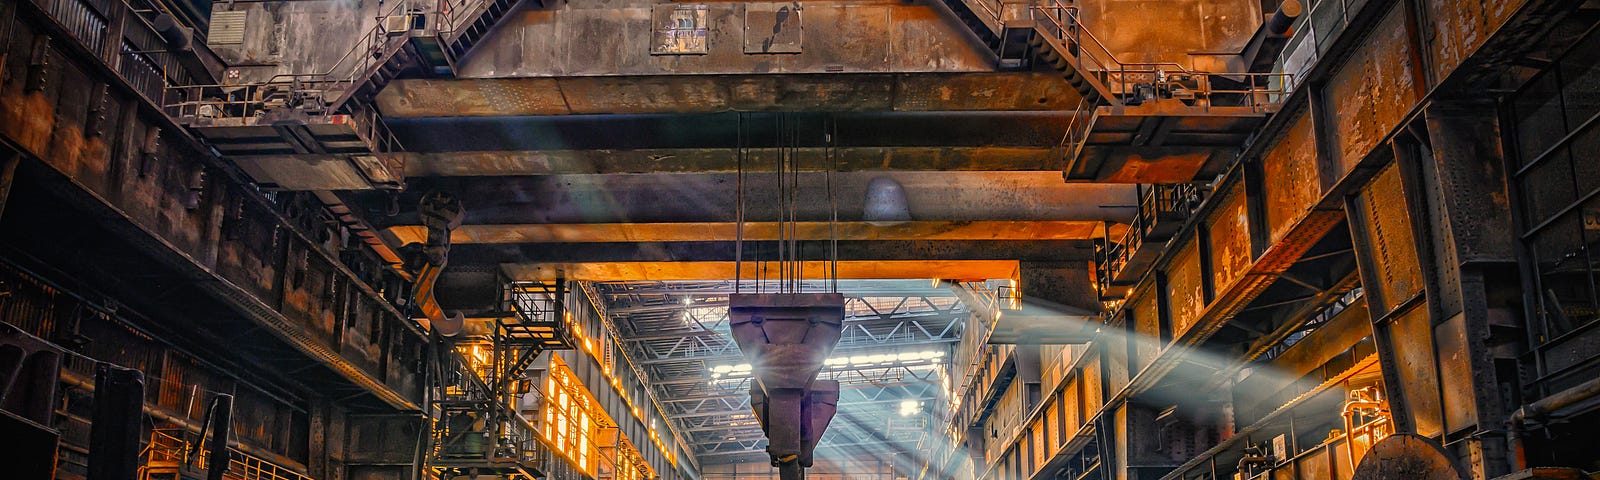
1072 405
1372 93
1455 374
1290 183
1186 299
1093 388
1229 232
1414 355
1052 423
1114 349
1147 327
1388 231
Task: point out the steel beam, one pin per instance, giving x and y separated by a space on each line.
714 197
455 162
1035 230
629 95
484 255
859 269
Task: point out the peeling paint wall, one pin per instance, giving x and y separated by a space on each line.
301 37
1184 32
588 37
1290 182
1229 231
1369 96
1458 28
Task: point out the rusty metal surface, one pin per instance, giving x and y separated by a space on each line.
300 172
1147 326
1164 142
1460 28
1185 289
1369 96
1409 456
1414 357
773 27
931 196
680 94
720 160
1092 377
1387 235
1455 374
162 197
1290 183
485 256
615 38
1126 164
1479 210
1229 230
1169 31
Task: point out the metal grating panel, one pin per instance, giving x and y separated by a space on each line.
227 28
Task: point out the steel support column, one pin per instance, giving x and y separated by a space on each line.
1468 235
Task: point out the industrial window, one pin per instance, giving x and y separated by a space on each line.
1552 142
574 424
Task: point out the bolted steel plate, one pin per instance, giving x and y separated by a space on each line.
772 27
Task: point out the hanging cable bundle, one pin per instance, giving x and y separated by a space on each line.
786 140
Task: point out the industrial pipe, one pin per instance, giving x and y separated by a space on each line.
1566 398
1282 19
221 426
179 38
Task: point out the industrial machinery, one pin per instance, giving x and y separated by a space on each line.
787 337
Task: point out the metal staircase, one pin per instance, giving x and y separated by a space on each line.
1009 40
475 429
462 24
283 131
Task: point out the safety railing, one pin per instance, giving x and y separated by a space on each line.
975 360
1132 80
215 102
456 15
509 434
1136 82
139 54
173 450
1158 205
323 92
1078 129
